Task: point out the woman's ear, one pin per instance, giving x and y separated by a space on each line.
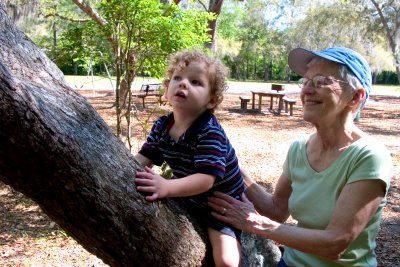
357 97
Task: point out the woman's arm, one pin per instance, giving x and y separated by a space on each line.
273 206
355 207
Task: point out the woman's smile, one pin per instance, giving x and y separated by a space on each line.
311 102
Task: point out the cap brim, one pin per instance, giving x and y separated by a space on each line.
298 60
300 57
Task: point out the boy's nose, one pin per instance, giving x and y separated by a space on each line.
183 83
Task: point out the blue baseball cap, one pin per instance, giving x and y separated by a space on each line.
300 57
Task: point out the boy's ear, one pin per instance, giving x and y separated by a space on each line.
212 103
166 84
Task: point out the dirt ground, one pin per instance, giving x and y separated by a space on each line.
29 238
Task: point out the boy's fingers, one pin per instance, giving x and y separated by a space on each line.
152 198
149 189
144 175
144 182
149 170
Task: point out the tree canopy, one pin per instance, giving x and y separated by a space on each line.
252 37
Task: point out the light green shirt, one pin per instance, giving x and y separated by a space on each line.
314 195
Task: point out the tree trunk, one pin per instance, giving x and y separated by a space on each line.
214 7
58 151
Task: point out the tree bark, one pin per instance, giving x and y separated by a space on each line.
215 7
57 150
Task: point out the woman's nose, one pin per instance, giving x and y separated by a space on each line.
308 87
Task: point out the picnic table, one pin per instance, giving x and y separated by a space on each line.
279 95
149 90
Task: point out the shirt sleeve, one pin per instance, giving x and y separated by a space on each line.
150 148
293 156
211 153
371 161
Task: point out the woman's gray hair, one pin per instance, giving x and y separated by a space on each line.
346 74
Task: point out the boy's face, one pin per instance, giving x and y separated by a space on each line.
189 88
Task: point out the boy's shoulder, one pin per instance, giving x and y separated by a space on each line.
164 119
205 122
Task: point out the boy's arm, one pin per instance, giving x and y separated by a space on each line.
144 160
190 185
158 187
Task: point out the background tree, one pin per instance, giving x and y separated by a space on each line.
285 24
228 34
328 24
388 13
248 34
142 34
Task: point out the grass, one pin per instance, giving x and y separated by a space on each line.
103 82
387 88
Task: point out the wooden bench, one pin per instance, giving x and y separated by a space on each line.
243 102
289 102
150 89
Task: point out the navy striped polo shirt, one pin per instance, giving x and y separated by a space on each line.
203 148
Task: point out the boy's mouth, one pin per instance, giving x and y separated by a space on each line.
180 94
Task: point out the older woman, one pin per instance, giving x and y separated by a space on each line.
334 181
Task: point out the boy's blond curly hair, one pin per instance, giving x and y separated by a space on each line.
217 71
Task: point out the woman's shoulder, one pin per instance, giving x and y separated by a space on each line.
372 159
301 140
371 144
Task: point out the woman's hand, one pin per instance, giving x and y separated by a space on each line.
152 183
240 214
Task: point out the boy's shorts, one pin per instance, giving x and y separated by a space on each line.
221 227
203 214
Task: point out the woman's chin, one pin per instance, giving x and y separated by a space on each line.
310 117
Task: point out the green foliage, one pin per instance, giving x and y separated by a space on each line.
166 171
230 20
254 36
67 39
352 24
387 77
153 30
149 28
252 47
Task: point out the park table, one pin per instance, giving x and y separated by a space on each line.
272 95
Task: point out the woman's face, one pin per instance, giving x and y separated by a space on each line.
322 95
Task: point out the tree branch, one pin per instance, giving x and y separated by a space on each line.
90 12
65 18
204 6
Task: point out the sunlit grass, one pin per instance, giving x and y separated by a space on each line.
387 88
103 82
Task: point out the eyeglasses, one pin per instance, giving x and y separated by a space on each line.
318 81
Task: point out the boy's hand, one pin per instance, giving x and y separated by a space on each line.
152 183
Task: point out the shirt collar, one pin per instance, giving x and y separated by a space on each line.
197 125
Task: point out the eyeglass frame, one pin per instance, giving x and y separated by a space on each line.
304 80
